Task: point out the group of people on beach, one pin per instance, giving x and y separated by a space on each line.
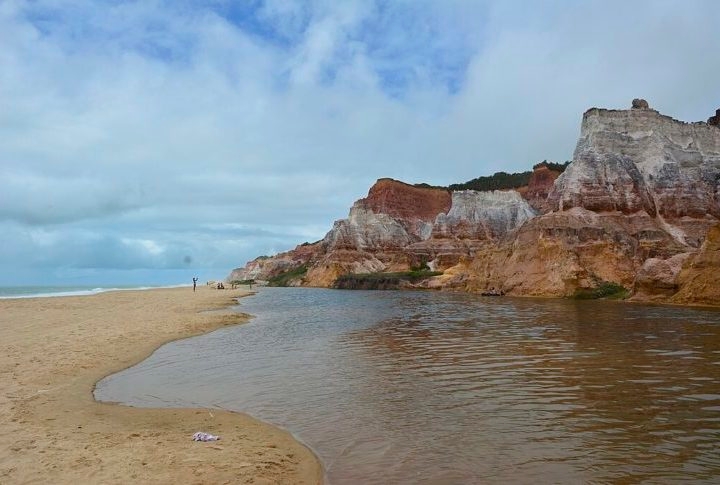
219 285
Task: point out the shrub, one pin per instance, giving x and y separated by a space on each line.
421 266
381 281
496 181
242 282
500 180
556 167
606 290
284 279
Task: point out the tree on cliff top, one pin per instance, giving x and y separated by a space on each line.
504 180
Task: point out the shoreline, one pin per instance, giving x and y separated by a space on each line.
55 350
629 300
79 290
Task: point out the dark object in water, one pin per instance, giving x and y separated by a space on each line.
493 292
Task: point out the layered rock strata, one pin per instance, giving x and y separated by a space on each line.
633 208
264 268
641 161
378 231
474 219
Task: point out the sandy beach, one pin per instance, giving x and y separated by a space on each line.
54 350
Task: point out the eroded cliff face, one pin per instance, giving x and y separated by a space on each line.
474 220
379 230
541 184
264 268
560 253
699 278
404 202
633 208
392 216
482 215
633 205
639 160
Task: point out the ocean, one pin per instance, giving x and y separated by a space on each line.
52 291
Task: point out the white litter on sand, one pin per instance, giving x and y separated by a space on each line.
200 436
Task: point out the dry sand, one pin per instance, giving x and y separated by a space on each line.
54 350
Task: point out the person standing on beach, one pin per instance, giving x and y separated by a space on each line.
194 283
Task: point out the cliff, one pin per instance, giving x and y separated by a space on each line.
265 268
639 160
633 209
542 181
699 279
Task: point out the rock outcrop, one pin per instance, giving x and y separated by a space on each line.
263 268
482 215
474 219
640 160
378 231
658 278
407 203
540 185
633 209
714 120
559 253
699 278
392 216
639 103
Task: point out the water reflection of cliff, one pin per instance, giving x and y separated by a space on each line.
423 387
577 390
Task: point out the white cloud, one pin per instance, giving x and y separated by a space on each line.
176 122
148 245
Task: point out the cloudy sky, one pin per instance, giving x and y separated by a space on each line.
150 141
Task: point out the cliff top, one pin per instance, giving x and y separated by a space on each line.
641 109
406 201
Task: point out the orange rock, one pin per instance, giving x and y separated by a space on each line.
699 278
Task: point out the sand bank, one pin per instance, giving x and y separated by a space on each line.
54 350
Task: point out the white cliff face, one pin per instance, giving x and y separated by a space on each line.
365 230
639 160
483 215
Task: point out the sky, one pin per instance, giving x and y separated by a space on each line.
147 142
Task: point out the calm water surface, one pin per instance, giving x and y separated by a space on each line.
424 387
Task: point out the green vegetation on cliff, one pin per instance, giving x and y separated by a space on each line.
606 290
496 181
285 278
504 180
555 167
499 180
242 283
381 281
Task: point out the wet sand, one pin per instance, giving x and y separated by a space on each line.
54 350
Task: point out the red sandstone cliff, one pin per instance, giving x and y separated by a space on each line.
379 230
406 202
541 183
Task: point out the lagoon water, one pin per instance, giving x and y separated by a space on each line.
441 388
